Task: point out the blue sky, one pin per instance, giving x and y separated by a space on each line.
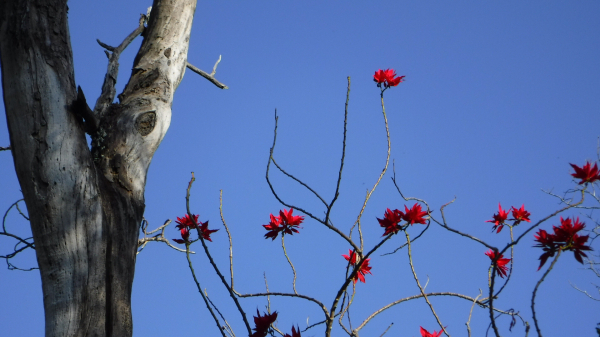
499 98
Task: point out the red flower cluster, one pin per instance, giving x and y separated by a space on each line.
295 333
391 219
587 173
285 223
565 237
387 78
186 223
364 268
263 323
501 263
425 333
518 215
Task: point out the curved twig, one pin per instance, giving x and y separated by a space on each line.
537 327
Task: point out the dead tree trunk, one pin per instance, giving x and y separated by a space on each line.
86 206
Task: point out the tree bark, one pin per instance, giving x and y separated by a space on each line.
86 206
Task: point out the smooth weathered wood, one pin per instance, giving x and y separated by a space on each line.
86 206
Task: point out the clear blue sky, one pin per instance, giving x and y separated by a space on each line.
499 98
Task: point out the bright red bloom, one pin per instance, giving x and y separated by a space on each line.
498 219
501 263
425 333
390 221
185 235
587 174
364 268
520 214
273 227
295 333
285 222
565 237
263 323
205 231
387 78
186 221
414 215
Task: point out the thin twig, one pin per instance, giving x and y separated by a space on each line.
328 225
471 313
419 285
386 330
339 180
158 237
289 261
537 327
5 148
311 299
585 291
210 259
465 297
387 161
227 327
229 236
492 275
187 245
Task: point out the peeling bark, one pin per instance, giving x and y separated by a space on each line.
86 206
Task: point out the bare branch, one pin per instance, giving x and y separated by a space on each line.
537 327
5 148
370 192
208 76
465 297
210 259
110 79
419 285
585 291
158 237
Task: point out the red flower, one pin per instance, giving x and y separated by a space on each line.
390 221
425 333
414 215
520 214
263 323
501 263
285 222
565 237
185 235
206 232
387 78
498 219
295 333
364 268
186 221
273 227
587 174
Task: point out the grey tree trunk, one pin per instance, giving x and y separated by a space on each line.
86 206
